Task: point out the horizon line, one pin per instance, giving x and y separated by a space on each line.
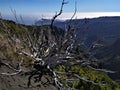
31 17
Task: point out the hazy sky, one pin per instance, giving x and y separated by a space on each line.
35 9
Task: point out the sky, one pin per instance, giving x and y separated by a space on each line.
35 9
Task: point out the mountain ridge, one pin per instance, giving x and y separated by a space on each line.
107 28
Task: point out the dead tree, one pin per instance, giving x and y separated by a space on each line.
49 50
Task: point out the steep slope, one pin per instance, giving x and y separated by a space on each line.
110 55
102 27
19 82
9 55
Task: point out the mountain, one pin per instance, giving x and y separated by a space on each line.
9 54
110 55
105 51
59 23
107 28
43 22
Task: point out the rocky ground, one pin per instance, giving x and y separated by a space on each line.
19 82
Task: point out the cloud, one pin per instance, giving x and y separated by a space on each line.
79 15
30 18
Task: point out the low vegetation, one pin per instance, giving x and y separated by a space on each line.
52 52
96 80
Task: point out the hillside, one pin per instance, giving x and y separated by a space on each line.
100 36
107 28
9 53
110 55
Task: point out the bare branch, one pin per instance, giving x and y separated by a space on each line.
102 70
75 11
60 12
48 52
15 14
17 71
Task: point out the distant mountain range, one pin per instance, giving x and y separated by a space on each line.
107 28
